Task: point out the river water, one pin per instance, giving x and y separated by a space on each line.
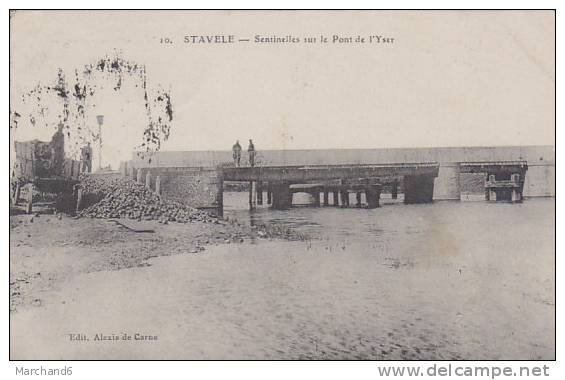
477 277
448 280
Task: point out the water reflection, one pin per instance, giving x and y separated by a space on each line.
441 224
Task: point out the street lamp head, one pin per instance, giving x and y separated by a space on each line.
100 119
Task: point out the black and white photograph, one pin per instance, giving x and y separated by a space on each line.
282 185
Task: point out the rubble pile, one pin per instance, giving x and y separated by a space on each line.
125 198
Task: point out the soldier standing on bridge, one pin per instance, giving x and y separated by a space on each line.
251 151
236 153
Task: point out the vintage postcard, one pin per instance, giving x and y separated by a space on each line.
274 185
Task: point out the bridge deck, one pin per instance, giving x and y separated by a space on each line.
494 167
327 172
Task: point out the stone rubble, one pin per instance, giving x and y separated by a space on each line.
125 198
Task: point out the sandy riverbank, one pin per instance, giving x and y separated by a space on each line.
46 250
284 300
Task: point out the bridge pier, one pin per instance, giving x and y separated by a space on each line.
448 185
344 198
503 189
490 191
491 195
316 195
373 194
516 196
418 189
504 179
282 196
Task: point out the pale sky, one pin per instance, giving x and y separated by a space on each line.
451 78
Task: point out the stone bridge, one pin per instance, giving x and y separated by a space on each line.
203 187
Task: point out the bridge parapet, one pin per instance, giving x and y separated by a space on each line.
493 167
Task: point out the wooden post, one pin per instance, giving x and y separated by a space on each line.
326 197
252 195
269 196
148 180
492 194
344 198
29 204
158 185
220 197
259 193
358 199
316 194
516 196
16 193
394 190
79 199
336 198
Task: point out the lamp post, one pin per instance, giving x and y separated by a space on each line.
100 119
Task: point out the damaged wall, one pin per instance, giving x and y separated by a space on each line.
196 187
